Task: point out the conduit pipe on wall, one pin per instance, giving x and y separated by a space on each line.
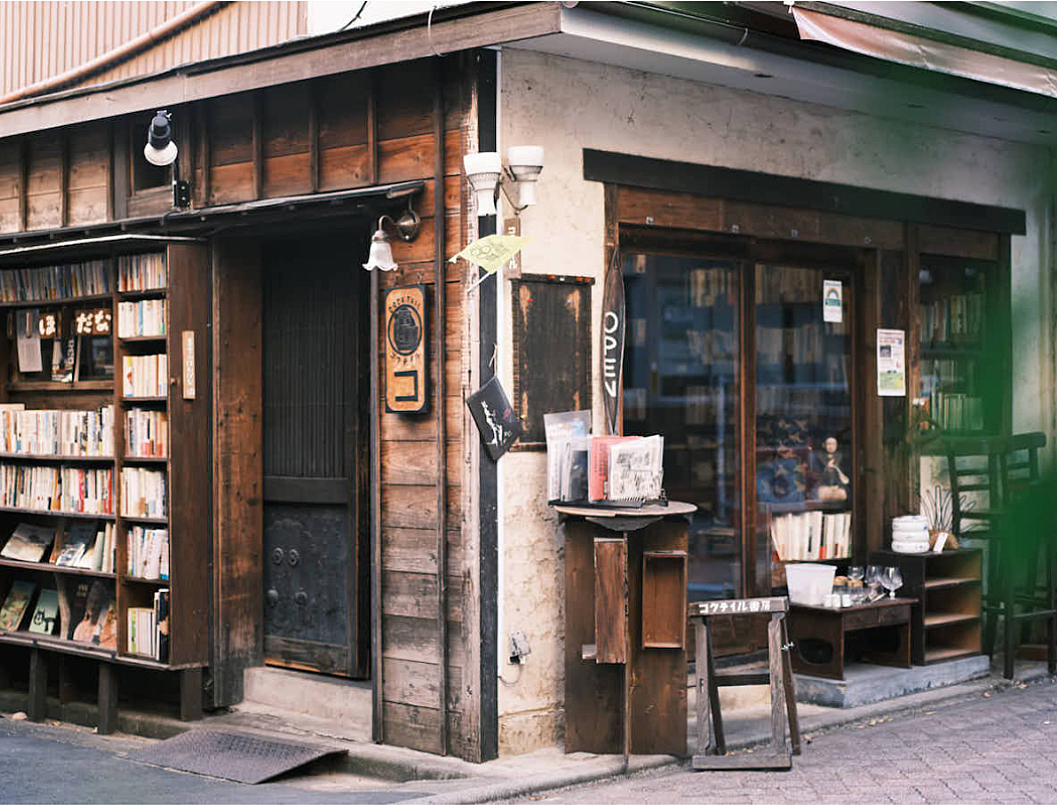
121 52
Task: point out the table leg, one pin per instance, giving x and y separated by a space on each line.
107 698
38 684
713 697
774 654
790 693
704 717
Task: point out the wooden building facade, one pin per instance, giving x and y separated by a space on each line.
344 537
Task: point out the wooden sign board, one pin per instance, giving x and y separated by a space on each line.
405 350
611 353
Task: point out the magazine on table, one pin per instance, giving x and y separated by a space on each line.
568 442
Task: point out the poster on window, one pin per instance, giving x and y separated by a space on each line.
891 363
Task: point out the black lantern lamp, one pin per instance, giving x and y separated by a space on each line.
161 150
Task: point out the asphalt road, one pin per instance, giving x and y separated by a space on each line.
1001 749
43 764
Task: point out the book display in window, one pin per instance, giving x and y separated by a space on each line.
953 323
101 519
804 424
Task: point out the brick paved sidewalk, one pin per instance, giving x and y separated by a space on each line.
1000 749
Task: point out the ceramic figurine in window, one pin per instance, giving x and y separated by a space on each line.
832 483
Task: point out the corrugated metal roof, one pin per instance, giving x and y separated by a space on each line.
42 40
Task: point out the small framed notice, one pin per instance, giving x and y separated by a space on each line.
187 339
832 301
891 363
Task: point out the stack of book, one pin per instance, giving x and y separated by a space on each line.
54 432
67 489
86 545
148 628
813 535
148 553
143 492
955 319
55 282
143 318
145 375
146 433
141 272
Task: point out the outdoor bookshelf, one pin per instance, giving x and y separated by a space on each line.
153 485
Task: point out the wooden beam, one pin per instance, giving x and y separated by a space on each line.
358 52
372 126
440 287
754 186
23 183
107 702
204 194
258 145
313 136
64 179
377 723
38 684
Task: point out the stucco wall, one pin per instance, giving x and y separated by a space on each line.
566 106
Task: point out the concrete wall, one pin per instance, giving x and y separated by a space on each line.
567 105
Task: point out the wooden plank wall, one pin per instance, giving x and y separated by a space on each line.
343 131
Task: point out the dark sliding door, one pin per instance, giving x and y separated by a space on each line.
315 451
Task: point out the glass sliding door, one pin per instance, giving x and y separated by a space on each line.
682 379
805 443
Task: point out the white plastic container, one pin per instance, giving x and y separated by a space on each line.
910 534
809 583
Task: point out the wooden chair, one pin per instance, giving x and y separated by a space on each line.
1019 527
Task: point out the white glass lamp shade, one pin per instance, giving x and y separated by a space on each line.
381 255
164 156
526 163
482 171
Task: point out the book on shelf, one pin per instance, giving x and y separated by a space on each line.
55 432
144 317
956 319
85 278
811 535
16 604
102 553
146 433
148 628
93 619
141 272
145 375
46 613
148 552
598 464
143 492
28 543
77 545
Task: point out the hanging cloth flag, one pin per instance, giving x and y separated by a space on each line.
490 253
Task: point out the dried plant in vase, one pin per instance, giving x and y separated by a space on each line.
938 509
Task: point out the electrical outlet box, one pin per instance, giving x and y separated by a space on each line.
519 647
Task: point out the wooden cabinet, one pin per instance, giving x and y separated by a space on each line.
147 358
946 621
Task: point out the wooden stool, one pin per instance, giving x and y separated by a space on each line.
711 746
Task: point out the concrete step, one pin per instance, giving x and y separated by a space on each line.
333 699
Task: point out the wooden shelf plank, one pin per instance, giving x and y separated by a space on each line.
942 619
25 638
949 582
145 293
133 339
58 386
47 303
151 399
55 513
144 519
39 457
159 460
161 583
56 569
948 653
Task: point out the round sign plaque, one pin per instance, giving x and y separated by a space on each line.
405 329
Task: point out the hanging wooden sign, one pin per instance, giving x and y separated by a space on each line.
92 322
611 353
405 349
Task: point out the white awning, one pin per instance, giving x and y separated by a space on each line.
918 51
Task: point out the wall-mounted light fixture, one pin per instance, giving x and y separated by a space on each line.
485 172
381 254
161 150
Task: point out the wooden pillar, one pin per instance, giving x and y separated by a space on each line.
191 694
107 698
38 684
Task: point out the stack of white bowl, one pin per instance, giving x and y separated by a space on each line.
910 534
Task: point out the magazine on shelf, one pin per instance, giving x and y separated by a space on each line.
565 459
636 469
16 604
46 613
78 545
28 543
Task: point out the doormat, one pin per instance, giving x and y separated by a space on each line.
238 757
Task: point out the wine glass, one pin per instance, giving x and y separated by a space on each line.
873 577
856 573
892 579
